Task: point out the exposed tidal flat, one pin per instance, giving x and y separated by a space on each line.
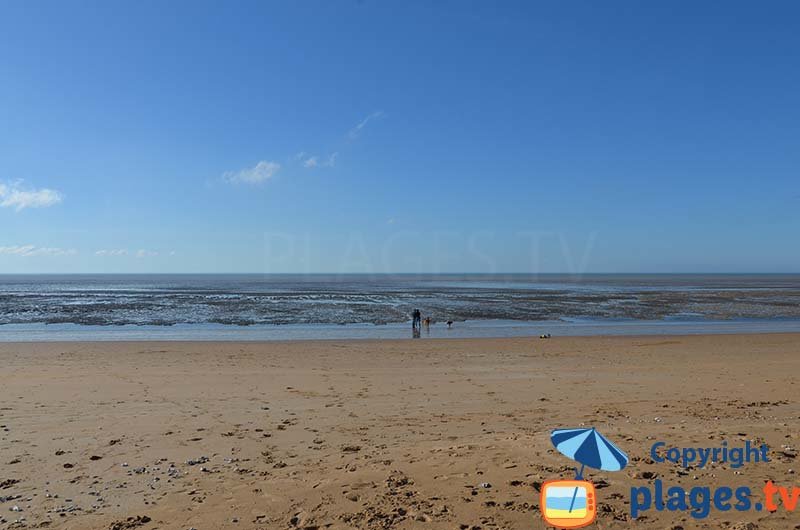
264 307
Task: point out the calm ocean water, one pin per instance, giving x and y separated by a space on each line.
41 307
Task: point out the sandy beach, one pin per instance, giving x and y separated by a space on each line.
439 434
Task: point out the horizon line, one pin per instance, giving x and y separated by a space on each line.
694 273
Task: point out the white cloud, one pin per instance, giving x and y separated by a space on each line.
141 253
112 252
261 172
12 196
314 161
27 251
355 131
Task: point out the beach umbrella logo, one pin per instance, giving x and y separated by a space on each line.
573 503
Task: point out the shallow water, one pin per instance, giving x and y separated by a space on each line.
462 330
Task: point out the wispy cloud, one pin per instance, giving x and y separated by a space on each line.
27 251
355 131
112 252
261 172
141 253
310 161
13 196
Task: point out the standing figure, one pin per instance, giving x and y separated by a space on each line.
416 319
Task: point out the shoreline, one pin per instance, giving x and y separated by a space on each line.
400 341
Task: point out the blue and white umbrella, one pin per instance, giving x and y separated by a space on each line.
590 448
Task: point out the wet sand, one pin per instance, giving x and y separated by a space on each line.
439 434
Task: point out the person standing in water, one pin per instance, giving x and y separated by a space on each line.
416 318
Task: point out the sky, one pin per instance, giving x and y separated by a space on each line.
416 136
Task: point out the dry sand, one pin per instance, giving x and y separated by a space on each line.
377 434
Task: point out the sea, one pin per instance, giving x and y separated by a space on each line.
320 306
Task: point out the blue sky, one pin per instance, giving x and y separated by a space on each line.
369 136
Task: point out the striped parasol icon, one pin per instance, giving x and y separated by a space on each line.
589 448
